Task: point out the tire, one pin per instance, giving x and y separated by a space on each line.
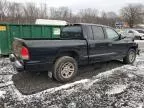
65 69
130 57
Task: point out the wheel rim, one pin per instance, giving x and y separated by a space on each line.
67 70
131 56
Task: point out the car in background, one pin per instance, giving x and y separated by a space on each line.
124 35
137 34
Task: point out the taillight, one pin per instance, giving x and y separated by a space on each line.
24 53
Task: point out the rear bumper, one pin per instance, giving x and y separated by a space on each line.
32 66
16 64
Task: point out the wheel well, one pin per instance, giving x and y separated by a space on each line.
132 48
68 53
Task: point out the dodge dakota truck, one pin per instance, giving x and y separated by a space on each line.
79 44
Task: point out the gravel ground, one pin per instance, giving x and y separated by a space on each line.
30 83
107 85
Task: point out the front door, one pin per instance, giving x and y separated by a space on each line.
99 46
118 46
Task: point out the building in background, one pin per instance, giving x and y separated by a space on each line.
121 24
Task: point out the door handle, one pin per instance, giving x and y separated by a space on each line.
92 45
109 44
102 46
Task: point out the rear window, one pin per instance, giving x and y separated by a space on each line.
71 32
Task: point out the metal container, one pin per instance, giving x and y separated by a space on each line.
9 31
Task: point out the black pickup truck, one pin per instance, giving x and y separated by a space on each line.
79 44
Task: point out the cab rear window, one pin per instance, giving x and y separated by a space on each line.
71 32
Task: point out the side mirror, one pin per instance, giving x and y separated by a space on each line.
121 36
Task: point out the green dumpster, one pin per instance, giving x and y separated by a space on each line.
9 31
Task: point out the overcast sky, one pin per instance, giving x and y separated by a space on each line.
75 5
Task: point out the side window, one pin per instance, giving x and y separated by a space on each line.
111 34
89 32
130 31
98 33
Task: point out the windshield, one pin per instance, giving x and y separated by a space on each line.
71 32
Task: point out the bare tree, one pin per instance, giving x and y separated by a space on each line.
104 18
3 9
31 12
62 13
132 14
15 12
112 15
43 11
88 15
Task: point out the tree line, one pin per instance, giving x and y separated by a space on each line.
11 12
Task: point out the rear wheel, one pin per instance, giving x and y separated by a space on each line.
65 69
130 57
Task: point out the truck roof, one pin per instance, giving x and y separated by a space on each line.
87 24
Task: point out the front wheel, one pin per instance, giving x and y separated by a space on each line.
65 69
130 57
138 38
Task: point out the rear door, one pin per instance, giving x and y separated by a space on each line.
98 44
